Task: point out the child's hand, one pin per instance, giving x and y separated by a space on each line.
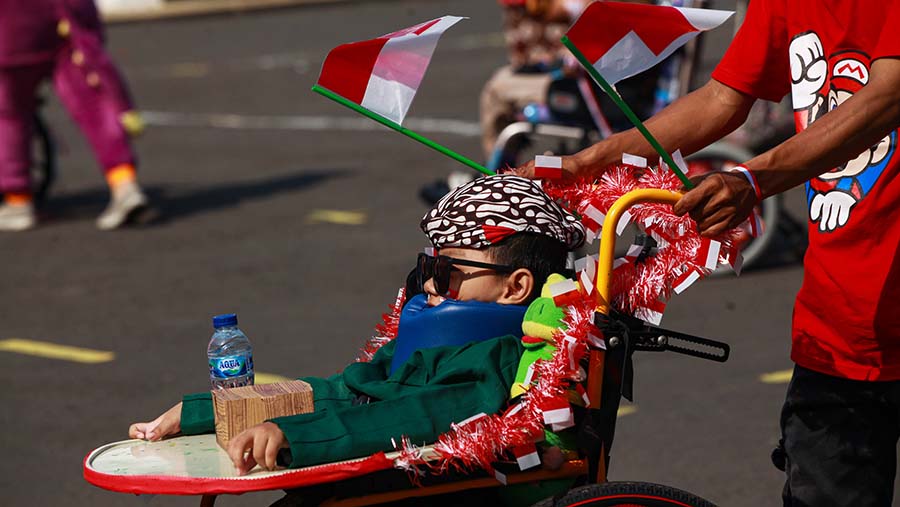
260 443
167 424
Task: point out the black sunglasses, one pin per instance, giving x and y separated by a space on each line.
440 267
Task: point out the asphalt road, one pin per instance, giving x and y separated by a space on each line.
285 208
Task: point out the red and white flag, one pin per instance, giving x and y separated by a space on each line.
515 409
571 345
652 313
471 419
685 280
634 160
583 393
383 74
526 456
735 259
656 231
757 226
586 267
624 220
564 293
588 283
708 253
595 338
631 256
558 414
592 218
547 167
624 39
529 374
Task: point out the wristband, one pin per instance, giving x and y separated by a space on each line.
752 179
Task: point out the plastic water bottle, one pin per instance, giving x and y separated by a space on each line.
230 354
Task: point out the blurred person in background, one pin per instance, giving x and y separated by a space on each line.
62 40
532 29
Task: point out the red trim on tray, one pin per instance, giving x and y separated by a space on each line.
170 485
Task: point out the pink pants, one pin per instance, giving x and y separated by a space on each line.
96 110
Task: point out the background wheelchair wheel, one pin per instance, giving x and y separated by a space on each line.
626 494
43 165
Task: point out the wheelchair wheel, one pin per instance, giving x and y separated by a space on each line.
43 170
626 494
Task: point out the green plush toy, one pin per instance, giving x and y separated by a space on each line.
541 320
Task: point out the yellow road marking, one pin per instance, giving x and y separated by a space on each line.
55 351
268 378
777 377
190 69
332 216
626 410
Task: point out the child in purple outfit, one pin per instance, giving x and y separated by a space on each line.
62 40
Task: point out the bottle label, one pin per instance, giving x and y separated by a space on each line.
230 366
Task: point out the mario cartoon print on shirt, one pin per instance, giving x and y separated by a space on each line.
818 85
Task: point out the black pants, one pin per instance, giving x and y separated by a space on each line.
839 438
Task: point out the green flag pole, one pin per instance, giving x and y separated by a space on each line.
403 130
614 95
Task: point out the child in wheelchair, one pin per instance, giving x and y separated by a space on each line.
459 342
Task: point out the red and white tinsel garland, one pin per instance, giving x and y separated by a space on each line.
682 255
384 332
638 288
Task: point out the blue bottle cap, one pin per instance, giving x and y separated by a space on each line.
227 319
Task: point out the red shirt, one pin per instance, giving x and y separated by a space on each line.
847 314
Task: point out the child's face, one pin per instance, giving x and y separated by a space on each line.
468 283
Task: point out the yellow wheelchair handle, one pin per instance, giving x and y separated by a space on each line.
608 235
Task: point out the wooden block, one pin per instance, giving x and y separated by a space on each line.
239 408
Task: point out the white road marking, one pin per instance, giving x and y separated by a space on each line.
303 122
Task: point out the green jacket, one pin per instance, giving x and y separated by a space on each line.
434 388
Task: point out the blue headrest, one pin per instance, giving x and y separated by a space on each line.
452 323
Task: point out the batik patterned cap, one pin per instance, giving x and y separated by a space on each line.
487 210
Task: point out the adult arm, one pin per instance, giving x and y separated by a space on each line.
689 124
724 200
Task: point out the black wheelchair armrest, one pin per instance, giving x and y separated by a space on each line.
625 330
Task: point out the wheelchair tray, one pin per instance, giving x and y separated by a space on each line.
196 465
